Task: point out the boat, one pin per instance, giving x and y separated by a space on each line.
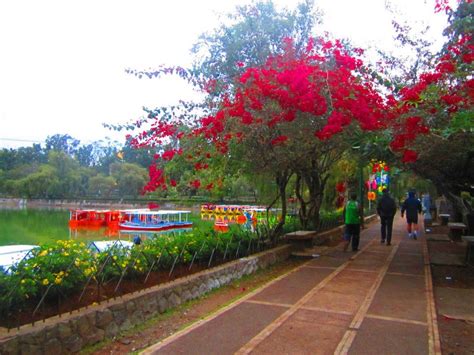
236 210
13 254
221 226
141 220
98 218
93 218
104 245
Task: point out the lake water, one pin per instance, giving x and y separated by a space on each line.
36 226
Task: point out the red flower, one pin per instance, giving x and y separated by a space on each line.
168 155
340 187
446 67
279 140
451 99
196 184
173 182
409 156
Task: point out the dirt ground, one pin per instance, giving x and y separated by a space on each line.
170 322
457 335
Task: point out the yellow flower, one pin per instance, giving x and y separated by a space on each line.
87 271
58 280
43 253
45 282
114 257
23 281
138 261
77 262
66 254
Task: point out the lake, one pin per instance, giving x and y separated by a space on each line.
36 226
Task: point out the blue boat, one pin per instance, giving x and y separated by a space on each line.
144 220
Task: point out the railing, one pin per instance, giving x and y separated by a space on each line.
115 271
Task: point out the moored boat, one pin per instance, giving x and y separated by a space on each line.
155 220
13 254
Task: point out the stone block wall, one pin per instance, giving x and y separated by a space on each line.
87 326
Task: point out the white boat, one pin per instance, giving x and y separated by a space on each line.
13 254
104 245
155 220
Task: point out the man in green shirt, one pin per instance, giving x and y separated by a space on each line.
352 218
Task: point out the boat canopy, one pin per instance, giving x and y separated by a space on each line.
157 213
13 254
104 245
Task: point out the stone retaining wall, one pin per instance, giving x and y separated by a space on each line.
87 326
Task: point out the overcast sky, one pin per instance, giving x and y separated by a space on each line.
62 62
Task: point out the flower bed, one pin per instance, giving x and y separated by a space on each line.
67 275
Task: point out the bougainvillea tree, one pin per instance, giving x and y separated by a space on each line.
433 120
291 116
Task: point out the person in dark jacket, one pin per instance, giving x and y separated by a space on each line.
412 207
386 209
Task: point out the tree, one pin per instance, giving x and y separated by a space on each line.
62 142
101 185
256 33
282 119
130 178
433 121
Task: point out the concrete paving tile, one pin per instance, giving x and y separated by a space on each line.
410 246
334 301
294 286
400 297
227 333
332 260
369 261
388 337
407 264
345 292
352 282
306 332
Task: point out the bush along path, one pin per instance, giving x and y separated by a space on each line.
371 301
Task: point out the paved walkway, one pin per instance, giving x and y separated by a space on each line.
376 301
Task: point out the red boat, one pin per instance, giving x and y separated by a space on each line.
94 218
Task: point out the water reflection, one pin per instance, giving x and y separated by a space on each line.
222 222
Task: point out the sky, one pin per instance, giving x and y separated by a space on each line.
62 63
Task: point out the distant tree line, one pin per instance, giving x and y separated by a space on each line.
63 168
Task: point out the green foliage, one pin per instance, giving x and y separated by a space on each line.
253 33
130 178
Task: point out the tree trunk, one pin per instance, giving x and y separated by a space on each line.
282 179
309 210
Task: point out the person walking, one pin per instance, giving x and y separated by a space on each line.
352 219
386 209
412 207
